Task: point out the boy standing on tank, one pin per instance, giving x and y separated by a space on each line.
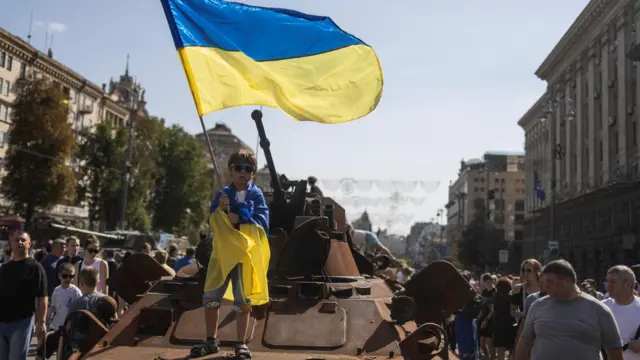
243 203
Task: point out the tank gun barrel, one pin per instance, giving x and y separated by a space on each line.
278 193
86 232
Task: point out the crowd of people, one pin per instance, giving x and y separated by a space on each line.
545 313
40 287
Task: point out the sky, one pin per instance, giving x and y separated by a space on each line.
458 74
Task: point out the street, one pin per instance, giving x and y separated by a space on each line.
32 349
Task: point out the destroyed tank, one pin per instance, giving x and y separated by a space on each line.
325 301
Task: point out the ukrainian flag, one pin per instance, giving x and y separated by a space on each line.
235 54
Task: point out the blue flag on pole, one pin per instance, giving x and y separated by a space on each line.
538 187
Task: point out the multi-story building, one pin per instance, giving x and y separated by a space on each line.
494 188
591 138
89 103
425 244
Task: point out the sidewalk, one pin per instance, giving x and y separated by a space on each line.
32 349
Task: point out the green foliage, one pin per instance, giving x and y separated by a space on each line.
149 137
183 190
103 153
40 147
480 244
169 187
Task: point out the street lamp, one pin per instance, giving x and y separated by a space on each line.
552 108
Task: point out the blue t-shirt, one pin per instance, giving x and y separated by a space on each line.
182 262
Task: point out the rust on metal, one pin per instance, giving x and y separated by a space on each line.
325 302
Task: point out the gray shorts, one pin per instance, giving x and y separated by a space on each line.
213 298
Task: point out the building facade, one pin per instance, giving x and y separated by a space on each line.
426 243
89 103
493 187
594 151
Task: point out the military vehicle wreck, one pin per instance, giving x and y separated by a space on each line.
325 303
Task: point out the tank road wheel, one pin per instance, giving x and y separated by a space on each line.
428 341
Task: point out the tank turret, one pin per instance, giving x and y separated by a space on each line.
325 302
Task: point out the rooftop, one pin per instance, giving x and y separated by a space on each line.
505 153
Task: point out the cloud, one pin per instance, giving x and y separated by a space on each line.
52 26
57 27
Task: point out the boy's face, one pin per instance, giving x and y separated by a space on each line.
66 277
242 174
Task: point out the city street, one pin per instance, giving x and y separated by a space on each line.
32 349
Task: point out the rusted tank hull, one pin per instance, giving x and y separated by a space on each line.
141 353
353 316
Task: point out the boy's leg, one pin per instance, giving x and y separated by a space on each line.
244 313
211 301
239 300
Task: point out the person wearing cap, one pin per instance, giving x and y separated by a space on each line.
50 262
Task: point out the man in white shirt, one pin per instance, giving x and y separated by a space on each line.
366 241
625 308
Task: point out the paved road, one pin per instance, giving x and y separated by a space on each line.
32 350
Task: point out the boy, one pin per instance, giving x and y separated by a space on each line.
63 295
88 282
243 206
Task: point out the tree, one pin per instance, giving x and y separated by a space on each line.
149 137
40 147
102 153
183 190
480 244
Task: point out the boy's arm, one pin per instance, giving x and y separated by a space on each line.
260 214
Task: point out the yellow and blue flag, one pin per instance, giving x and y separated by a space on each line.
236 54
248 245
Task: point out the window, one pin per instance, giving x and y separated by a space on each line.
3 56
1 83
7 86
23 70
600 150
518 235
3 113
10 63
519 219
2 140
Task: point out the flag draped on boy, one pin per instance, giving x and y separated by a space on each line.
235 54
248 246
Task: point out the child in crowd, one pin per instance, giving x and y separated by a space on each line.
63 295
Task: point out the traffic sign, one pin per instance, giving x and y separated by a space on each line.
503 256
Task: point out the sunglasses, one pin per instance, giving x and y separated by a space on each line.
93 251
66 276
243 168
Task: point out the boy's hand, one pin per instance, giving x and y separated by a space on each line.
234 218
223 203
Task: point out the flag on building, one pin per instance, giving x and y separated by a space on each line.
538 187
236 54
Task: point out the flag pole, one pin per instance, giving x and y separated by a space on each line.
216 171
